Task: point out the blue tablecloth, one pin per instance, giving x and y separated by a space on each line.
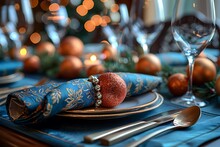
59 131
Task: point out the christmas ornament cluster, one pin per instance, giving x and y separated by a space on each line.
66 62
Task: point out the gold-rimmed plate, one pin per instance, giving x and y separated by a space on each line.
129 104
155 105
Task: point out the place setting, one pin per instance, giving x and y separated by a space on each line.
107 73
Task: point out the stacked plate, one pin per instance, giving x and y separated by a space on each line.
11 78
130 106
9 71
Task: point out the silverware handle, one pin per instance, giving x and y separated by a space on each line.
145 138
95 136
124 134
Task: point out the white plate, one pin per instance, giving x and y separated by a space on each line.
113 115
129 104
11 78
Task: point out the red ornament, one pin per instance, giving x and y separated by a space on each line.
204 71
71 46
95 69
148 64
113 89
45 47
31 64
177 84
109 52
70 67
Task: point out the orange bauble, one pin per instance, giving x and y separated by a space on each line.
71 46
204 71
217 86
109 52
95 69
148 64
45 47
31 64
177 84
70 67
113 89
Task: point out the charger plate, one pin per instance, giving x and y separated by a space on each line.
101 116
11 78
129 104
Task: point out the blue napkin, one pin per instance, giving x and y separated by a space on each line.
38 103
8 67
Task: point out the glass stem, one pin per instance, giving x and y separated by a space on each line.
191 67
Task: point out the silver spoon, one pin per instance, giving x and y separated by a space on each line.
184 119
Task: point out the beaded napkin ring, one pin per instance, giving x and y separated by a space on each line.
110 89
97 87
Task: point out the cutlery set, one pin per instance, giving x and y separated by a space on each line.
181 118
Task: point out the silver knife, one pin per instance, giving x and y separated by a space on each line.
150 122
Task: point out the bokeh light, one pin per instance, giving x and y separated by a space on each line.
23 51
34 3
115 8
81 10
97 19
54 7
75 2
115 17
89 4
74 24
64 2
89 26
44 5
17 6
93 58
22 30
35 37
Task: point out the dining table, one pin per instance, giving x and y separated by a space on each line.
70 131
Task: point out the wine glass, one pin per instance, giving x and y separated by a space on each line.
56 21
17 20
193 27
147 18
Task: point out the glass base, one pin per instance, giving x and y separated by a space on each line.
188 100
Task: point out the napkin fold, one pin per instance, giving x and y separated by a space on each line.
9 67
35 104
